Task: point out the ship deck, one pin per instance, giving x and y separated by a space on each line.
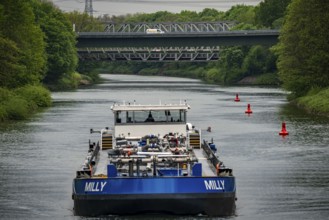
206 166
101 168
207 170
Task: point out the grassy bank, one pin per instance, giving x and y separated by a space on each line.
315 102
74 81
20 103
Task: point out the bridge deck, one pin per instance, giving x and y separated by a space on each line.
115 46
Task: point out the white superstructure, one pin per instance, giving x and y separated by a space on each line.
134 121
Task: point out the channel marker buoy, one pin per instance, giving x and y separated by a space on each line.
237 99
248 111
283 131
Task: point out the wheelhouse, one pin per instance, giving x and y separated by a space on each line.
136 120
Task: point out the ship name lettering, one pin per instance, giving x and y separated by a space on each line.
214 184
94 186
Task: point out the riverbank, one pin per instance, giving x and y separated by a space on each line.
315 102
20 103
74 81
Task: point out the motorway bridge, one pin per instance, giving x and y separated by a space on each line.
179 42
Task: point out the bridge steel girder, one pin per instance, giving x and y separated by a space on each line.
170 27
149 54
225 38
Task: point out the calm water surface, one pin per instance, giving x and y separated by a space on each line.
285 178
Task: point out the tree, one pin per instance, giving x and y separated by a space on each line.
210 14
188 16
241 13
62 56
270 12
84 22
230 65
18 25
9 63
303 49
255 61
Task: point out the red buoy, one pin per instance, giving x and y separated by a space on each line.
248 111
283 131
237 99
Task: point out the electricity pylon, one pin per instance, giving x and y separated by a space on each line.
89 7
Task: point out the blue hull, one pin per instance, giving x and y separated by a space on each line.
212 196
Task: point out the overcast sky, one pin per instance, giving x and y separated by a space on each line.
122 7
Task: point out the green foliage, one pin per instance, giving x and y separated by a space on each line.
18 25
149 71
92 77
269 13
36 94
210 14
12 106
241 14
62 56
37 43
244 26
253 63
35 39
230 65
9 63
212 74
18 104
5 95
3 113
67 82
82 22
188 16
17 108
207 14
303 50
315 101
268 79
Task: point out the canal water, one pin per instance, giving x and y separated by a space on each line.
277 177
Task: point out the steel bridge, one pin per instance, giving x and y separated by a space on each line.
180 41
195 54
170 27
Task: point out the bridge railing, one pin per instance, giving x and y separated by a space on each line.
169 27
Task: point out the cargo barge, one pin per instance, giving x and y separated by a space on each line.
152 161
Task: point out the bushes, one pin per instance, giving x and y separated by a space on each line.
20 103
268 79
149 71
316 101
17 108
36 94
3 113
67 82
